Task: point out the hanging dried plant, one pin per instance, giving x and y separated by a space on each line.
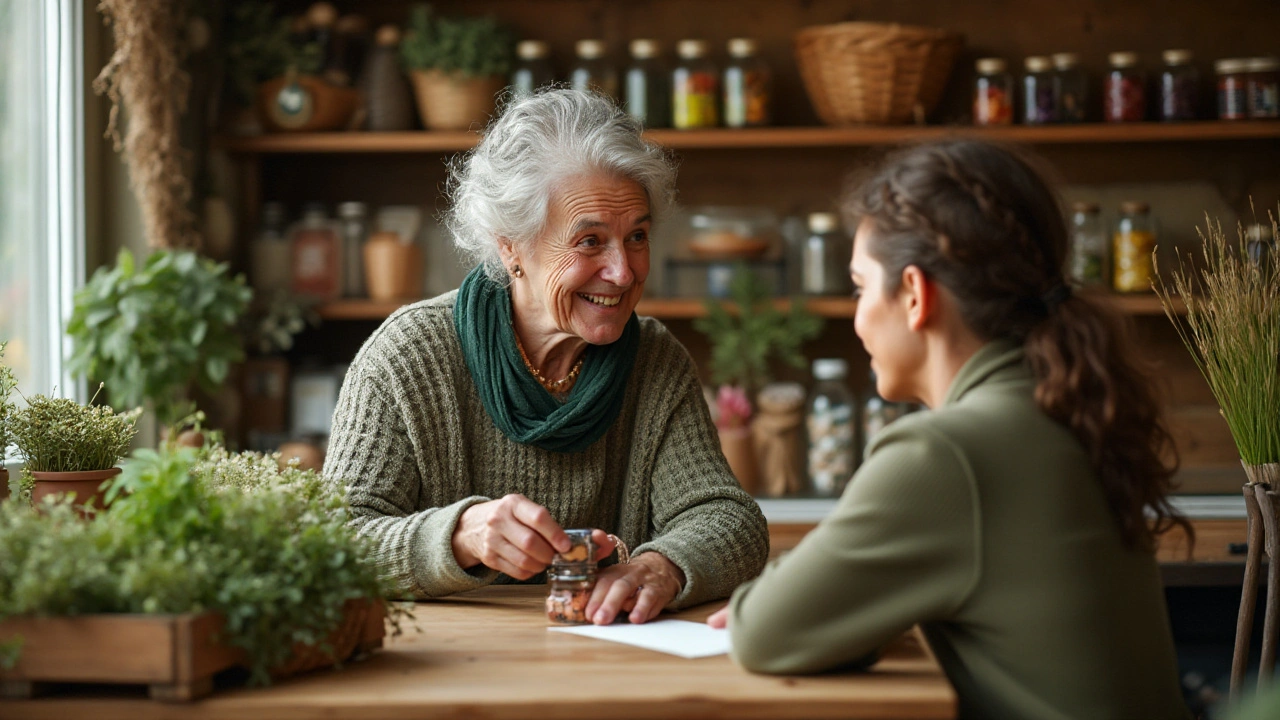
145 76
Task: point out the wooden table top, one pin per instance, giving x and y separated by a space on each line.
487 654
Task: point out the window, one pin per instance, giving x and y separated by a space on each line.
41 188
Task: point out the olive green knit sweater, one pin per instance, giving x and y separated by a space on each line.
417 448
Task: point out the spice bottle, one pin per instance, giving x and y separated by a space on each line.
645 93
1133 242
572 577
1125 95
1039 103
1088 245
316 252
694 88
1178 86
1233 101
830 425
1262 86
992 93
1070 86
825 257
533 67
747 86
592 70
354 217
271 252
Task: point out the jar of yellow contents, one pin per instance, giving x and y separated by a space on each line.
1132 246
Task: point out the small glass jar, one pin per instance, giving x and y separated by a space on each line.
354 217
1262 85
572 578
694 88
1233 96
1070 86
646 96
1132 245
748 92
1088 245
830 426
992 93
316 255
533 67
1179 83
1259 243
1125 95
592 70
825 257
1039 103
271 252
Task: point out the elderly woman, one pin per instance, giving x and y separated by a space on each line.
473 427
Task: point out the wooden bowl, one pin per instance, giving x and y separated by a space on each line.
728 245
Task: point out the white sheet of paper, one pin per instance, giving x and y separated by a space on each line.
675 637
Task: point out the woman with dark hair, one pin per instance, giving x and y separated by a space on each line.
1016 520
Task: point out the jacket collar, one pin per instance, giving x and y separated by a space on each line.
989 360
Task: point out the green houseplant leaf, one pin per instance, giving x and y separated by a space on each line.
472 47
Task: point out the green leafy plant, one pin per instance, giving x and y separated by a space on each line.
151 332
61 435
267 547
473 47
751 331
1232 330
260 47
7 385
271 329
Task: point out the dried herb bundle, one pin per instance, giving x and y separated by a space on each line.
61 435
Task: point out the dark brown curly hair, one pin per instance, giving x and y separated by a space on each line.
982 221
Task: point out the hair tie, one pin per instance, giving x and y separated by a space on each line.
1055 297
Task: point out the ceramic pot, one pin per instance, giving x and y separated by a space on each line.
739 450
455 102
87 485
392 268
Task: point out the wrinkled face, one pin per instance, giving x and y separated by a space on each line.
588 269
881 324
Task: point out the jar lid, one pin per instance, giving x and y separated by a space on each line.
1262 64
830 369
990 66
1036 64
532 50
692 49
1135 207
1230 66
1065 60
645 48
743 47
823 222
1085 207
1122 59
1176 57
589 49
352 209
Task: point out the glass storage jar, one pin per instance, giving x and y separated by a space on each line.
694 88
1125 93
646 96
272 253
1070 86
992 93
533 67
1179 85
1039 102
355 230
592 70
826 254
1233 102
1132 244
1262 86
830 426
1088 245
572 577
748 91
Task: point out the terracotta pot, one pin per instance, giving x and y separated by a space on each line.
305 103
4 482
739 450
392 268
309 455
455 102
86 485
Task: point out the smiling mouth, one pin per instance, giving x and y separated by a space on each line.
601 300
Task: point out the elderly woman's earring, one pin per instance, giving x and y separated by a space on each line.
517 271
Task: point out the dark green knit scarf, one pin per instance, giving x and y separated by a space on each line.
521 408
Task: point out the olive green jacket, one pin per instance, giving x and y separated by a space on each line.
983 522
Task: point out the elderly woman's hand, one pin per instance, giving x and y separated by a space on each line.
516 536
642 588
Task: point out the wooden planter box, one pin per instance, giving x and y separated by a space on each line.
175 656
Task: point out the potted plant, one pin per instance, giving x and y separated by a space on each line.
745 336
224 559
69 448
458 66
155 331
7 384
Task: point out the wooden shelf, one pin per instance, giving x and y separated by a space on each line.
687 308
779 137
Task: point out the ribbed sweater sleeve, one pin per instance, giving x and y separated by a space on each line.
901 547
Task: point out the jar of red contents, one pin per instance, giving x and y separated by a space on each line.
1125 96
694 88
1178 85
992 93
1263 87
1233 103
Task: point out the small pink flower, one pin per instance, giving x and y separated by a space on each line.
734 407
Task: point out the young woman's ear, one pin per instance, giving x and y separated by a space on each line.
919 297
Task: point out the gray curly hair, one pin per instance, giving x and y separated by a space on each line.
502 188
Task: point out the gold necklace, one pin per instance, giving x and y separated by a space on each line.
551 386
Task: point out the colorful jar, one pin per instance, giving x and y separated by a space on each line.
694 88
1262 86
1125 95
1233 96
992 93
748 95
1039 99
1132 245
1178 87
1070 86
1088 245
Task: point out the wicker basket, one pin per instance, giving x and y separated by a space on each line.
881 73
